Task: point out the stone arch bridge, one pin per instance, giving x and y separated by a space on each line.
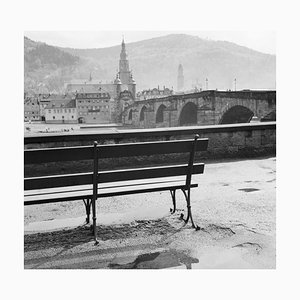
203 108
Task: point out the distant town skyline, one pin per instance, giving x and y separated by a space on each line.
263 41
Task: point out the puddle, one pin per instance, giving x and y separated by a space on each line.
220 258
250 246
156 260
249 190
219 232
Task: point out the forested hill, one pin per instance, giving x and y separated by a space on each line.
47 68
155 62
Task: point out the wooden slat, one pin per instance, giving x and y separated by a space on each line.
45 182
36 156
88 187
106 192
150 148
111 151
109 176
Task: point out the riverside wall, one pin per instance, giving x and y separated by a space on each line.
234 140
237 141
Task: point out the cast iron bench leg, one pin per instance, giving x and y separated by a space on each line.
87 204
94 221
189 209
174 201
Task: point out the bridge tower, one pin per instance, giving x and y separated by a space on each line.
180 79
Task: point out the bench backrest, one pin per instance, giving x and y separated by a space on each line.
96 152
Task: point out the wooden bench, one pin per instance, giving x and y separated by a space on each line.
99 184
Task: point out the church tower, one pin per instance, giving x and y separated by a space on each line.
125 74
180 78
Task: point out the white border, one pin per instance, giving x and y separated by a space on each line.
19 16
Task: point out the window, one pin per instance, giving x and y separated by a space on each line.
72 117
63 117
53 117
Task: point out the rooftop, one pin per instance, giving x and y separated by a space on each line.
61 103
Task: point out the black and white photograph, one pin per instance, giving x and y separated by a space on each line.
151 154
145 160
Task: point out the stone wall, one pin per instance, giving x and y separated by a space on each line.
234 140
225 141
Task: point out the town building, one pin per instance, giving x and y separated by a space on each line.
61 110
43 101
93 107
31 109
154 93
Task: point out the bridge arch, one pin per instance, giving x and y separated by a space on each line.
188 114
81 120
130 115
142 113
237 114
160 114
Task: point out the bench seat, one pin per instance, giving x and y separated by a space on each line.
73 193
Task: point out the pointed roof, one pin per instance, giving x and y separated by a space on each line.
123 54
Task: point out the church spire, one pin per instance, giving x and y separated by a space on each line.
123 55
124 65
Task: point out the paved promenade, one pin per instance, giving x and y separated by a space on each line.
234 205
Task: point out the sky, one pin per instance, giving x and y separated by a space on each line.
263 41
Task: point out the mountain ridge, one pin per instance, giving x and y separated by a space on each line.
155 61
